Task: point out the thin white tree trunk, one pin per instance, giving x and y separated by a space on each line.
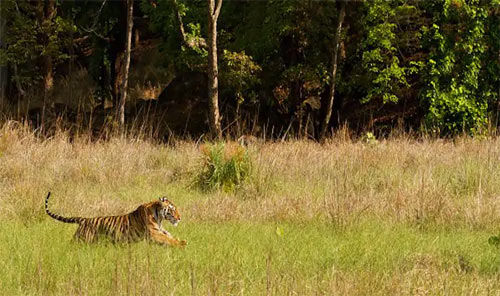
123 92
336 44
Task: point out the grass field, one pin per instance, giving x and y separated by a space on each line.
397 217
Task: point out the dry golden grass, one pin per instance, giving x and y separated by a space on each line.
401 180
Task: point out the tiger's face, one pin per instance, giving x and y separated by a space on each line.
168 211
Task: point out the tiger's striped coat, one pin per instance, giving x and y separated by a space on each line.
142 223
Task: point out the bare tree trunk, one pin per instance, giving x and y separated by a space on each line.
300 118
3 69
48 83
336 43
19 87
118 76
213 73
136 38
48 74
46 12
238 119
498 100
124 85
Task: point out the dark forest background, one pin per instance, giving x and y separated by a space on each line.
285 68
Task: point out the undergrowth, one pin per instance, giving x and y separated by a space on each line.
224 166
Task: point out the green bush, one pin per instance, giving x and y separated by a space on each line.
494 241
224 166
455 73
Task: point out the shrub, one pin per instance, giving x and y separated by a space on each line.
224 166
369 138
494 241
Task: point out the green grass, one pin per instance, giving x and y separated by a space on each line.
251 258
398 217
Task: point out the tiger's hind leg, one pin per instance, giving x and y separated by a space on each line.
85 234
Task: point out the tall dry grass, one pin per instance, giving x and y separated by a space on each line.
404 180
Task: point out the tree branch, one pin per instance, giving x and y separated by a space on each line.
92 29
217 10
188 42
179 19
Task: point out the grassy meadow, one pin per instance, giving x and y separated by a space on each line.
394 217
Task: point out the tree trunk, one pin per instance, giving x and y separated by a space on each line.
336 43
124 85
136 38
48 83
47 14
238 120
3 69
498 100
213 73
48 74
19 87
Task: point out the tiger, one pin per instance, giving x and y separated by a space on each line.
142 223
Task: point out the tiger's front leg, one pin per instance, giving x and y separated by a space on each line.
181 242
163 237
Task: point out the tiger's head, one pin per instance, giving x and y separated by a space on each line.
167 211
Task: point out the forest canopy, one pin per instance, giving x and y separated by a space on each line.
269 68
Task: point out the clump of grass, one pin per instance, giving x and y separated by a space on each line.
224 166
494 240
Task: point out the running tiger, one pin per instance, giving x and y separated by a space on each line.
143 223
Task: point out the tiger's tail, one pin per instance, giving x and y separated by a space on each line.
57 217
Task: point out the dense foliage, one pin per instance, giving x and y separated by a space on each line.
422 65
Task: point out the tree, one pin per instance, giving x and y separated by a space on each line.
214 7
36 41
336 44
124 85
455 94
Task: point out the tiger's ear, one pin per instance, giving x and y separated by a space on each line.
163 199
